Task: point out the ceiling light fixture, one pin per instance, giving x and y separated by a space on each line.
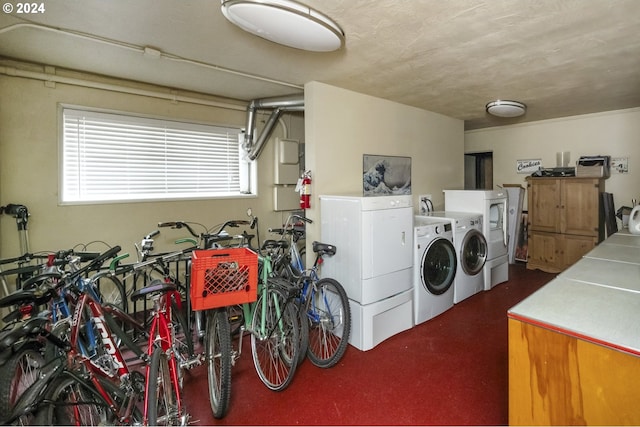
506 108
285 22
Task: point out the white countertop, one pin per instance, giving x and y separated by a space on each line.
597 299
624 240
615 253
624 276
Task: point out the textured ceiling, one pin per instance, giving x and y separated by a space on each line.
560 57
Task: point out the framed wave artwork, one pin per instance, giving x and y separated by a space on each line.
386 175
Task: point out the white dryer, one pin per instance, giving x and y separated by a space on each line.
434 268
471 250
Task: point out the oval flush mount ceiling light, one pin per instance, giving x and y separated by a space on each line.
285 22
506 108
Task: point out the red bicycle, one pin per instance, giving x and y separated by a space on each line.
169 353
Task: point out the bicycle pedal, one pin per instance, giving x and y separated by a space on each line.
192 362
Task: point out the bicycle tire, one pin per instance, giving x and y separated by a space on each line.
110 290
219 360
17 374
329 317
73 403
162 395
275 340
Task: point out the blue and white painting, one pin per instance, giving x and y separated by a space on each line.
386 175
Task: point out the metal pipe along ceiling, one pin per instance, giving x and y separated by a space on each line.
278 105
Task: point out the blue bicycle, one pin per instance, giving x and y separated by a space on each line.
322 302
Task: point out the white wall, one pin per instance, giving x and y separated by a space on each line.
341 126
29 171
614 133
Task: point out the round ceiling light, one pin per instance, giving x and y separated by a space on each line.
285 22
506 108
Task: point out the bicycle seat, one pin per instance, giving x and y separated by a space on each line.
324 249
24 296
156 285
31 326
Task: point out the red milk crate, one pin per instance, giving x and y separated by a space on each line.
222 277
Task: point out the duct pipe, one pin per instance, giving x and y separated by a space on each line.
280 103
46 77
266 133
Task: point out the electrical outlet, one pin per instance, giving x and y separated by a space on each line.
425 204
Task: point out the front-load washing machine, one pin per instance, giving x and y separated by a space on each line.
494 206
434 268
471 250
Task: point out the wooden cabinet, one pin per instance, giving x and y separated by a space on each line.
557 379
565 220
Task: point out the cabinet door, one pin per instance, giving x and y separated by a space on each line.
544 201
580 206
575 247
545 252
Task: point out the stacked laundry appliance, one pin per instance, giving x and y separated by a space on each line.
493 205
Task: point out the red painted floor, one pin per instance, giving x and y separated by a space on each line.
451 370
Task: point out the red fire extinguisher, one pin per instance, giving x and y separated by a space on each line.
305 190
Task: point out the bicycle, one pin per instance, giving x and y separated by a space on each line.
77 385
169 354
163 404
20 362
228 277
323 300
208 239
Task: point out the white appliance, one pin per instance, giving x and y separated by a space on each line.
471 251
634 220
374 262
493 205
434 268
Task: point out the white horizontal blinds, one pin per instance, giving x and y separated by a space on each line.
117 157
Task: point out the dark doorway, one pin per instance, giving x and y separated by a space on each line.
478 171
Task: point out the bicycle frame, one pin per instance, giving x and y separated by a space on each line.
248 309
122 373
93 373
161 333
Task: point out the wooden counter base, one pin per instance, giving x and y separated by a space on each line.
557 379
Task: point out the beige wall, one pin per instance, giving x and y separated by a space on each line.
614 133
29 171
341 126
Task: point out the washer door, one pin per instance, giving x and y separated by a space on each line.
438 266
473 252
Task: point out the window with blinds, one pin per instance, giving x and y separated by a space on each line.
116 157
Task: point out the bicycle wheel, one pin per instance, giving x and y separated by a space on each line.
73 403
304 330
110 290
218 349
163 395
329 319
17 374
275 340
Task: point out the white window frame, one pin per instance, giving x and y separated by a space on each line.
160 162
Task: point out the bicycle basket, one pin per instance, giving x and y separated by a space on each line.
222 277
